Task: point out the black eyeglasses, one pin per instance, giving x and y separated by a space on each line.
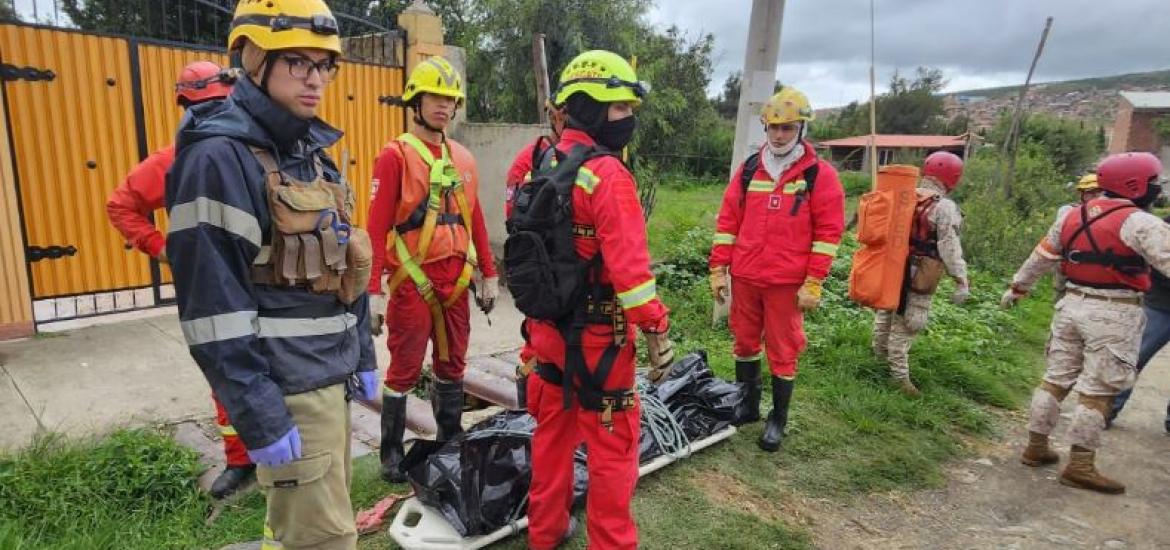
300 66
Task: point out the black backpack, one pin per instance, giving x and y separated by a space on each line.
547 279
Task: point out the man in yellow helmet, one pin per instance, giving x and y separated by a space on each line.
1088 190
583 391
269 273
429 233
775 240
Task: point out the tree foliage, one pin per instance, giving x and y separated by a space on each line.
1070 145
909 107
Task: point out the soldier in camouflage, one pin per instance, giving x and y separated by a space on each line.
1105 249
934 246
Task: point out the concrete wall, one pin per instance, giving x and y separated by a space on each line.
494 147
1134 130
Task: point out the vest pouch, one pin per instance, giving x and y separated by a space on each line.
359 258
298 208
306 248
925 274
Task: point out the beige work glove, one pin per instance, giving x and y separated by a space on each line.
719 283
809 296
962 292
1010 297
661 352
377 313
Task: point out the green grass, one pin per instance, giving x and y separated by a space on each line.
851 432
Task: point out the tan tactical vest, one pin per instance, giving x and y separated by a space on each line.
314 243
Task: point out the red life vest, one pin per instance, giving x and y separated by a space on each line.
1094 254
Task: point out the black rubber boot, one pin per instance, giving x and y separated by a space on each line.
447 403
231 480
748 374
773 434
521 392
393 428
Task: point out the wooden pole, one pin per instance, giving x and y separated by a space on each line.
873 156
540 70
1010 142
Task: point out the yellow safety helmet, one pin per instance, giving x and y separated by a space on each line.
788 105
285 24
434 75
1088 182
603 76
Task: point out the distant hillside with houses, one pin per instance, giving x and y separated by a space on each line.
1093 100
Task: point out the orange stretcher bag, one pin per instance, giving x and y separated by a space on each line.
884 219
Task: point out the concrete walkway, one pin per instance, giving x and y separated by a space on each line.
136 371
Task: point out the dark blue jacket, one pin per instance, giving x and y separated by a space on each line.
254 343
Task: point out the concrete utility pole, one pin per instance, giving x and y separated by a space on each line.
759 76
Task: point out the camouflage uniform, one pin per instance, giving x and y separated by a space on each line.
893 332
1059 282
1095 333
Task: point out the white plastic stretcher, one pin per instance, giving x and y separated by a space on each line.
418 527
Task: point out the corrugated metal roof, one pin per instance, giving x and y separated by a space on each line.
899 140
1148 100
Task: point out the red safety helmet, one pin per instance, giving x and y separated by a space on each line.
202 81
1128 175
945 167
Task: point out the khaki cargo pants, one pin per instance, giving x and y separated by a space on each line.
893 333
1092 348
308 500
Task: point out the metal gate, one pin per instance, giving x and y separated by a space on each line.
83 109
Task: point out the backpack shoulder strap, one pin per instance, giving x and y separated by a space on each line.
810 176
810 181
542 146
750 165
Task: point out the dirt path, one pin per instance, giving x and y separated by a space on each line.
992 501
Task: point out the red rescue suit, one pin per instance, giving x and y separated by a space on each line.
606 204
129 208
1094 254
130 205
409 324
773 238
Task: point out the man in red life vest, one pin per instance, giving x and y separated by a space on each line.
1105 249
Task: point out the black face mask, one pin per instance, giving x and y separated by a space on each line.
615 134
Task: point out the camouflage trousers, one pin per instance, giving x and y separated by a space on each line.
893 333
1092 348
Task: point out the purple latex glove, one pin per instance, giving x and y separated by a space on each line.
284 450
368 385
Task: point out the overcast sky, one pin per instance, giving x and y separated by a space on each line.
824 46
